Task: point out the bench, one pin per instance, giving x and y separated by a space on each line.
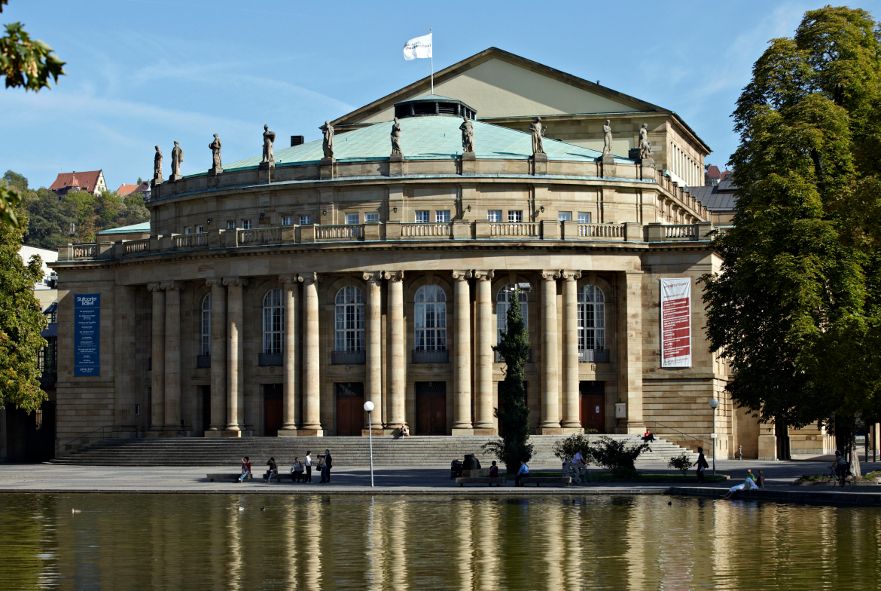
551 480
479 476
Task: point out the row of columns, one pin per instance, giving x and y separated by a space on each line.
227 354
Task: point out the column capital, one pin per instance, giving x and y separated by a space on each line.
170 285
570 275
234 281
287 279
393 275
484 275
372 276
307 278
214 282
550 275
154 287
462 275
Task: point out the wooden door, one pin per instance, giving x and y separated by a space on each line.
272 409
350 416
431 408
593 405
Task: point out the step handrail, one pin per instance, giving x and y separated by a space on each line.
687 436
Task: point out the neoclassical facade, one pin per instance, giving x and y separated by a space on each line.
275 298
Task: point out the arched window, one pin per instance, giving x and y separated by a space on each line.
503 303
591 322
349 320
430 318
205 327
273 322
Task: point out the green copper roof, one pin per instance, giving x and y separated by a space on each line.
426 138
142 227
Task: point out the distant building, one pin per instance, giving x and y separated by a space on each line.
91 181
127 189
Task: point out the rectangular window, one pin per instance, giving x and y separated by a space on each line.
352 219
422 216
442 216
246 224
230 224
584 217
287 220
188 230
371 217
564 216
494 215
305 219
515 216
200 229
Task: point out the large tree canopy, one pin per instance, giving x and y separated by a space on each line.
797 307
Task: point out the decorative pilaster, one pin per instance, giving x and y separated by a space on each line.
630 376
571 397
234 355
289 371
462 355
397 361
311 357
218 356
172 357
485 397
157 359
550 356
374 345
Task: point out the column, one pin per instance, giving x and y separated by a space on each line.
374 345
157 358
234 354
218 356
311 357
172 357
571 400
462 355
397 361
630 373
550 358
289 371
485 397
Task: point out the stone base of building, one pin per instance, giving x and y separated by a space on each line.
213 433
461 431
571 430
767 446
377 432
310 432
231 433
551 431
485 431
288 432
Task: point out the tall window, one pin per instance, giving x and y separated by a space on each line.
205 330
583 217
422 216
494 215
564 216
305 219
442 216
352 219
515 216
349 320
503 303
430 313
273 322
591 318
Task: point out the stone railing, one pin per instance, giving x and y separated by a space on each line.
568 231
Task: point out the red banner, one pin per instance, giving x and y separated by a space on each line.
676 322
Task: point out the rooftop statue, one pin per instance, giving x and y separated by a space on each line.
268 138
467 135
327 144
607 137
537 130
157 166
396 138
214 146
177 157
645 146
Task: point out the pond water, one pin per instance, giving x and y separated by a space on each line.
227 541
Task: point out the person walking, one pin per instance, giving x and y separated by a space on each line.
522 473
328 464
702 464
307 463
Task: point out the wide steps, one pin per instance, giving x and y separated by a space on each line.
347 451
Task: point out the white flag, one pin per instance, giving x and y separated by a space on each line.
418 48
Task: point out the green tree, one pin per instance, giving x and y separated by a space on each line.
513 414
797 303
21 322
29 64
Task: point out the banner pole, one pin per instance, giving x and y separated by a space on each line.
431 60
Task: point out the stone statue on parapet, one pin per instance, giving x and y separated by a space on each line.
396 138
268 138
645 146
537 129
177 158
327 144
214 146
467 135
607 137
157 166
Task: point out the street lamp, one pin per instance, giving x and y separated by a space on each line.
714 404
368 407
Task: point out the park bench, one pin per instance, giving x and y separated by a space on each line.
478 477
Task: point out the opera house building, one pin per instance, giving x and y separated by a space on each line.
274 296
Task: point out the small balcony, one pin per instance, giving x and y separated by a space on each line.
426 356
203 361
269 359
348 357
593 356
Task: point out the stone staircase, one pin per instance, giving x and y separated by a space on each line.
347 451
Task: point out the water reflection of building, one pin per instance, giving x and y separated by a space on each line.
275 300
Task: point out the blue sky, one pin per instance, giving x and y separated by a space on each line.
146 72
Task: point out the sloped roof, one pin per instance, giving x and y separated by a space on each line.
426 138
126 189
714 197
86 180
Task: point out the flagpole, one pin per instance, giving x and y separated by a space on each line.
431 60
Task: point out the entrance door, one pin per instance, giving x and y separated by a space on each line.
205 400
272 409
431 408
350 415
593 406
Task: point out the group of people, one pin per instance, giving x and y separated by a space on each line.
301 470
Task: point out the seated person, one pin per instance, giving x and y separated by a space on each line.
747 484
648 436
494 470
402 431
522 473
272 471
455 468
297 470
246 469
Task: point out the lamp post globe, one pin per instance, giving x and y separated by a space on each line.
369 406
714 404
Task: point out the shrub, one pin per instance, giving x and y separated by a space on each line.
618 457
565 449
681 463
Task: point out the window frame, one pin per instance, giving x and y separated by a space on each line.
430 318
273 322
